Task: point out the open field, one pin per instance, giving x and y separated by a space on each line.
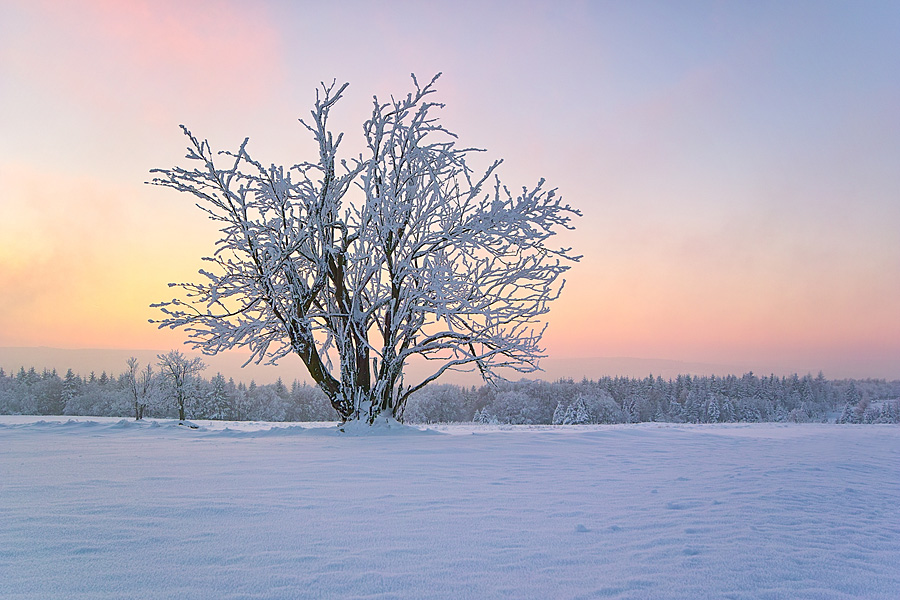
102 508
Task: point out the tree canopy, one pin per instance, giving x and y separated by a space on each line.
359 265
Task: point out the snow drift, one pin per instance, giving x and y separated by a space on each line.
106 508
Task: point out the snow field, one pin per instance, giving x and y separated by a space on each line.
103 508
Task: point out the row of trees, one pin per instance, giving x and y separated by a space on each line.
173 388
687 399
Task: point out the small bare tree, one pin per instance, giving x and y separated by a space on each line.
359 266
179 371
139 384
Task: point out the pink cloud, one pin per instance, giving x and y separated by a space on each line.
110 53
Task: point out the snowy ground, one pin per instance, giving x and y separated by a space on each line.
107 509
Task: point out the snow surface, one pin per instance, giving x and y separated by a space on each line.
103 508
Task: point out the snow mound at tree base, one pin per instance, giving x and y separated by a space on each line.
382 425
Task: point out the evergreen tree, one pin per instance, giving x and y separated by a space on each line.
847 415
712 409
579 412
558 414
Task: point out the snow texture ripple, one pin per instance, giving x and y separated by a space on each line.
100 508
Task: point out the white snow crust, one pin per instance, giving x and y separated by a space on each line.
105 508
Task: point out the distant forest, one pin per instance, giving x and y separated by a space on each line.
685 399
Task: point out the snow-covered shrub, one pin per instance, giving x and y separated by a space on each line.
591 406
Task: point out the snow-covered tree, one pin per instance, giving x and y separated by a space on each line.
712 409
847 414
265 404
578 413
179 371
358 266
559 414
139 384
890 412
71 385
438 404
215 404
591 405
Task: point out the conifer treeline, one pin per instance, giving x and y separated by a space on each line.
685 399
30 392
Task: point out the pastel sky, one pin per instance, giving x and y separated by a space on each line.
737 163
